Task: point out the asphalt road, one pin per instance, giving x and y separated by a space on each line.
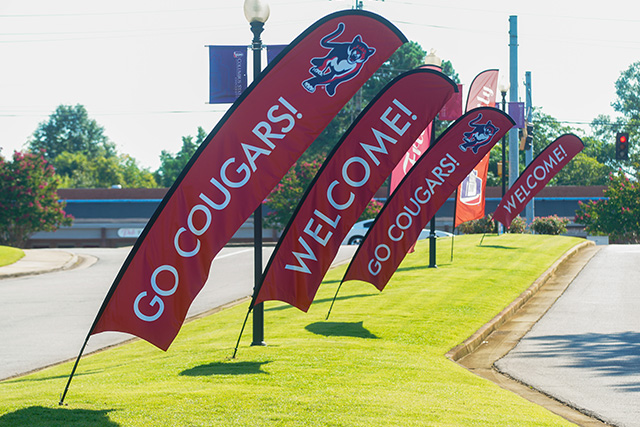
586 350
44 319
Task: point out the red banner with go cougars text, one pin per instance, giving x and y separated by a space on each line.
347 181
243 158
533 179
470 197
423 191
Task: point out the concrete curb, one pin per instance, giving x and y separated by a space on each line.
31 264
474 341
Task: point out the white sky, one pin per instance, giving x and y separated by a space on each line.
140 67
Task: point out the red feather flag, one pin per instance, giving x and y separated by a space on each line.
423 191
347 181
243 158
534 178
470 197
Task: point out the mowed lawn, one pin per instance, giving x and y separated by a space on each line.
9 255
378 361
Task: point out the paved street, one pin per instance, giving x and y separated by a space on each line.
44 319
586 350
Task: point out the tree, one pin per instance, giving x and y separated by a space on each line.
284 199
627 103
28 199
76 170
589 167
618 215
69 129
82 155
409 56
171 165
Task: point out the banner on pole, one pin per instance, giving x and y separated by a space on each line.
470 197
274 50
516 111
227 73
534 178
423 191
347 181
228 67
263 133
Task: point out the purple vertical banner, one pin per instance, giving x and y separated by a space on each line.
227 73
274 50
516 111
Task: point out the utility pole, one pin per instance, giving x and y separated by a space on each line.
514 149
529 209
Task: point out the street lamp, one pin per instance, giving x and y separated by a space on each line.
257 13
504 88
434 61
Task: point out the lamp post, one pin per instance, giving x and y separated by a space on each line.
434 61
257 13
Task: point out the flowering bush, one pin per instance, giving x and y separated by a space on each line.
553 225
518 225
372 210
28 199
478 226
619 215
284 199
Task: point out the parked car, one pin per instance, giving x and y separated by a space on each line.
359 230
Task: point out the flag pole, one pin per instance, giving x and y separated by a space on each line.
73 371
453 238
235 350
334 300
481 240
453 224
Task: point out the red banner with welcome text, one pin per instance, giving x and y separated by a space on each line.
470 197
537 174
347 181
423 191
243 158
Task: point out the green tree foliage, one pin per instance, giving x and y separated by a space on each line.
627 103
591 166
409 56
28 199
284 199
82 155
171 165
619 215
76 170
69 129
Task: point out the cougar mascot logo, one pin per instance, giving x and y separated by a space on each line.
343 62
479 136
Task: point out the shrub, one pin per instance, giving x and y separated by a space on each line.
518 225
478 226
617 216
372 210
553 225
28 199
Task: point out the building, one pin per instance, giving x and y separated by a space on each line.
115 217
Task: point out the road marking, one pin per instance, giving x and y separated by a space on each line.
232 254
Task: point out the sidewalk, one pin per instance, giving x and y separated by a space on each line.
40 261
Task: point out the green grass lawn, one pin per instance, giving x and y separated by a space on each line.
378 361
9 255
